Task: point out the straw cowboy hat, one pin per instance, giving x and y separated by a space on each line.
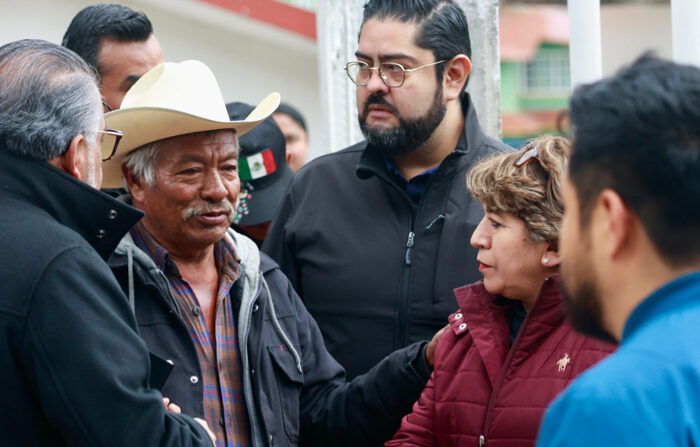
173 99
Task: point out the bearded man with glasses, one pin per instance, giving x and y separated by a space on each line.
372 237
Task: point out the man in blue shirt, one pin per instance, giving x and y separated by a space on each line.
631 255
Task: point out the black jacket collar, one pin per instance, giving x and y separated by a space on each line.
97 217
472 138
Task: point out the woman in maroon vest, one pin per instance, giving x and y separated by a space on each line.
509 350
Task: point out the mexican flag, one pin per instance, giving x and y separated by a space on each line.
257 165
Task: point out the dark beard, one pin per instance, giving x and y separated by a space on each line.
583 307
409 135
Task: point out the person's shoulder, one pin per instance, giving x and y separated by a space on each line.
267 264
628 399
327 172
672 336
619 381
590 401
341 159
598 382
29 231
272 272
494 146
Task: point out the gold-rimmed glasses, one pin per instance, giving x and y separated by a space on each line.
107 108
110 142
392 74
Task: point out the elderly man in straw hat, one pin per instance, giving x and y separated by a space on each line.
230 338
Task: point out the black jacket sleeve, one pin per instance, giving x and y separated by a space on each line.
276 243
89 367
364 412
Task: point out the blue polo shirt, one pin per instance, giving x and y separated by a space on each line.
648 392
414 187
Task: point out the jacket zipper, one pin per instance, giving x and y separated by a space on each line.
409 247
247 379
504 368
401 336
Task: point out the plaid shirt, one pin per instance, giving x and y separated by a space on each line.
224 404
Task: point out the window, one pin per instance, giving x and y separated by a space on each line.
547 72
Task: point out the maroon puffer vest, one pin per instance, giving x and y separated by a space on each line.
484 392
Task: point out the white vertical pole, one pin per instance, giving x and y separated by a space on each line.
485 78
585 51
338 24
685 26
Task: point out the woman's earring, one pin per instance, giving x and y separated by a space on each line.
545 260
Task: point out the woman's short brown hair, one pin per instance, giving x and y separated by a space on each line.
528 188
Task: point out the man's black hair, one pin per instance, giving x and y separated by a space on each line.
442 26
638 133
104 21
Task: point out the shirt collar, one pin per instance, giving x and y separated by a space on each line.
669 298
226 258
413 187
100 219
393 170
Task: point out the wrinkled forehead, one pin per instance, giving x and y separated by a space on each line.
214 144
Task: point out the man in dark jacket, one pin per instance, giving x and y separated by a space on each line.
373 237
75 371
118 43
245 353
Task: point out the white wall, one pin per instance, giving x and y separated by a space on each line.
628 30
249 58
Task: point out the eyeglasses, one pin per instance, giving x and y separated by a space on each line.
393 75
529 155
107 107
110 142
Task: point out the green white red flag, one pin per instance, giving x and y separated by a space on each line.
257 165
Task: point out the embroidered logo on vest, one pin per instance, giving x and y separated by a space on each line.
563 362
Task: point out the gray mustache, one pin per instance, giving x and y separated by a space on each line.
209 207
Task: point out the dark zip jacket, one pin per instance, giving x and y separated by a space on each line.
374 269
74 370
295 392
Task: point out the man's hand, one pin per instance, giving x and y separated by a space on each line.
203 423
175 409
171 406
430 349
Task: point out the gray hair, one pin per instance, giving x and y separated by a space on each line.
142 162
48 95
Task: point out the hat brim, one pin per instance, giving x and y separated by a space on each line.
144 125
264 202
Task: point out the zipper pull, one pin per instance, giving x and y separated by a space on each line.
409 247
437 219
482 441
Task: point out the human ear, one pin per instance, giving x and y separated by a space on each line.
72 161
615 222
551 257
134 184
456 72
